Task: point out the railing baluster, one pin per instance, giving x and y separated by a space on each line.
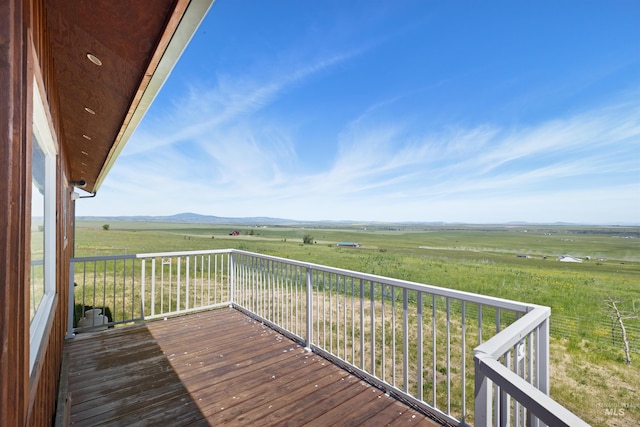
114 287
338 316
71 299
479 324
383 338
124 293
505 401
298 310
526 416
464 363
309 310
324 311
215 281
448 355
133 288
353 317
273 281
178 284
104 290
318 302
264 292
187 276
194 282
542 357
170 282
516 370
288 301
496 388
434 361
142 287
393 335
84 284
362 324
344 320
153 285
202 282
94 284
405 340
330 313
372 343
269 290
420 350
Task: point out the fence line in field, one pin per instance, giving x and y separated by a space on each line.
604 332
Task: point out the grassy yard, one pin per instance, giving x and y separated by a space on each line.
588 373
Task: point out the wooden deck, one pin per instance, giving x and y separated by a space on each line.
217 368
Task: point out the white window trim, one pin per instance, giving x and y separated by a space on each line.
44 136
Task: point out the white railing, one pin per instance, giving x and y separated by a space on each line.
466 358
131 288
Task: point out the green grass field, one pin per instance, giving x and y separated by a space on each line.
515 262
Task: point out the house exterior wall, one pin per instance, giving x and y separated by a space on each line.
27 398
14 248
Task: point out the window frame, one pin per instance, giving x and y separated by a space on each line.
44 138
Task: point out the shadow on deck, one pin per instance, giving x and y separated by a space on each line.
215 368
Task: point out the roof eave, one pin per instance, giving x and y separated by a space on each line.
173 43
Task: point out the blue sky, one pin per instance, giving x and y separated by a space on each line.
479 112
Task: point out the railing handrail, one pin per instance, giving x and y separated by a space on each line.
430 289
103 258
183 253
543 406
506 339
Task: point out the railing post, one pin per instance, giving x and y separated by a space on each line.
153 287
144 264
232 277
482 399
71 307
309 310
187 276
419 362
542 359
179 262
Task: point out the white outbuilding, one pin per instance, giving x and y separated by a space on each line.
568 258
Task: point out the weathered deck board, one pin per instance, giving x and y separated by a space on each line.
217 368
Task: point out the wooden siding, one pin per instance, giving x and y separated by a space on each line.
24 52
15 177
217 368
45 377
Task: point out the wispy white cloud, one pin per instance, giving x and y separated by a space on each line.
204 110
557 170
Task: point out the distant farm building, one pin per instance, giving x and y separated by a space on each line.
349 244
234 233
568 258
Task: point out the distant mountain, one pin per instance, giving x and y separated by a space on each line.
194 218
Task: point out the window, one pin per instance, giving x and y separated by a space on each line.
43 227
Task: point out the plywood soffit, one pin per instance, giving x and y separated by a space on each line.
110 59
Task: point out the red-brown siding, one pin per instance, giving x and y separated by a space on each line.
44 379
24 50
14 220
